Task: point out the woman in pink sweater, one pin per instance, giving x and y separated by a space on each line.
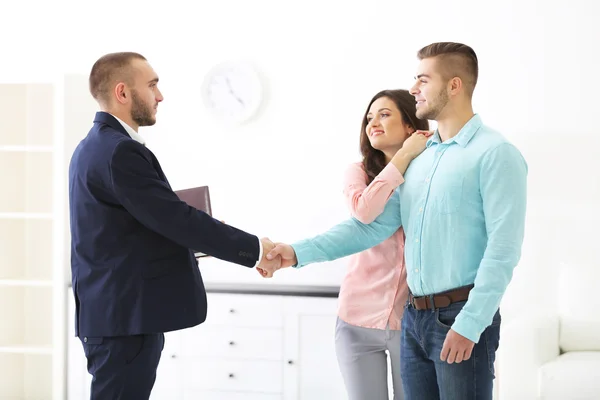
373 293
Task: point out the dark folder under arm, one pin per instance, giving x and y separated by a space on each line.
199 198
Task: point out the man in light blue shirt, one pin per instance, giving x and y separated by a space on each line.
462 207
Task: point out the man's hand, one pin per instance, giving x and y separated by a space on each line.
267 266
456 348
285 252
282 253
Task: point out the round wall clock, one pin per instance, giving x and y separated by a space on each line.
233 91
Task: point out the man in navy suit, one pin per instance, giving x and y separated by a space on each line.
134 273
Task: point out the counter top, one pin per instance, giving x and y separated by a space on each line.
272 289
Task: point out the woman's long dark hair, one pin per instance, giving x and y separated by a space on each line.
373 159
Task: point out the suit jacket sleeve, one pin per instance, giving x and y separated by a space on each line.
149 199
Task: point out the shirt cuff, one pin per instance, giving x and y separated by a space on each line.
260 252
468 327
305 253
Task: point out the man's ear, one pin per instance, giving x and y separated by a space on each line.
455 85
121 93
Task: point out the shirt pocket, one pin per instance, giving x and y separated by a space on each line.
450 199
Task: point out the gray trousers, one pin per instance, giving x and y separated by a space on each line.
361 354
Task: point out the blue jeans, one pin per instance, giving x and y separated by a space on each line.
425 376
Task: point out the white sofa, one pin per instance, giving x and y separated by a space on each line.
555 354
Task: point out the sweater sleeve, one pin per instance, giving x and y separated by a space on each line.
367 202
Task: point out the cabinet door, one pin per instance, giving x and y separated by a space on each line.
311 370
168 384
227 395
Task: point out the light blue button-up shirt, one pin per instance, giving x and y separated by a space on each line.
462 206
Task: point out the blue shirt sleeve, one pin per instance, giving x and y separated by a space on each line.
503 183
350 236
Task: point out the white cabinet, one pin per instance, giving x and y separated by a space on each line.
29 344
255 347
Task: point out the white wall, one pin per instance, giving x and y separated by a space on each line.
321 62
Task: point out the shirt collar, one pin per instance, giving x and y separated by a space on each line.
134 135
463 137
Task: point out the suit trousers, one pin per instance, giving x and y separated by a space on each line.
123 367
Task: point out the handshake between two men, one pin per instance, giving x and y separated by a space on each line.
275 256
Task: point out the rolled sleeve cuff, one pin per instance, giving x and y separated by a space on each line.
468 327
305 253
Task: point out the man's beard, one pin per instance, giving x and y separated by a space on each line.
436 108
141 113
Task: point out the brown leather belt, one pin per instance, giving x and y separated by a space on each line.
440 300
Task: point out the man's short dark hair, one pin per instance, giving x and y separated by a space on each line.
456 59
109 69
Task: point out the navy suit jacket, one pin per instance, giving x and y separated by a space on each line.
133 270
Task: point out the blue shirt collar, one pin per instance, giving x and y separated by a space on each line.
463 137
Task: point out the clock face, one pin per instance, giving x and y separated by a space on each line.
232 91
